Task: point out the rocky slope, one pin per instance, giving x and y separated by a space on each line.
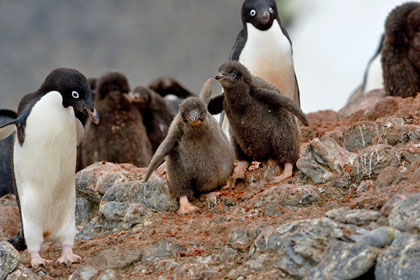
352 211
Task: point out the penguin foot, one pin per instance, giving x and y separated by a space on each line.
185 207
240 168
287 173
212 199
37 261
67 257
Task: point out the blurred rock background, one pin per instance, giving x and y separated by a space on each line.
188 39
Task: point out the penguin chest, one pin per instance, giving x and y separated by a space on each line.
45 162
268 54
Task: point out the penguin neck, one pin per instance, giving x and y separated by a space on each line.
196 131
238 97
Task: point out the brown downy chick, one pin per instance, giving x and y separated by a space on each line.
401 51
262 125
199 156
121 137
157 114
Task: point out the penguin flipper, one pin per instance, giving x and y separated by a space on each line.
8 129
274 99
206 91
80 131
165 147
238 46
215 105
297 92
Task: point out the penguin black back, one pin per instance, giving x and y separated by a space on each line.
401 51
6 156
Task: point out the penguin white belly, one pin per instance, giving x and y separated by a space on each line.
374 76
268 54
45 170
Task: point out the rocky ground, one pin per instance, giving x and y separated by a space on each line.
351 211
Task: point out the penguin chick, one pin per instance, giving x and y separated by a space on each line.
44 160
122 138
199 156
401 51
157 114
6 156
262 125
172 90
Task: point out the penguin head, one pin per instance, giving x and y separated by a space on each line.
260 13
193 111
142 96
112 82
233 74
402 26
74 89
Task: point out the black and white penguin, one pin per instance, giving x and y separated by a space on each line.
44 160
6 146
264 47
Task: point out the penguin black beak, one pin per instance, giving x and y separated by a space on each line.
221 78
93 114
265 17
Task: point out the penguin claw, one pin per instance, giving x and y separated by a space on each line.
185 207
239 170
37 261
68 259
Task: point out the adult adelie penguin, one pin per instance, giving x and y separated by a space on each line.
265 48
44 160
6 146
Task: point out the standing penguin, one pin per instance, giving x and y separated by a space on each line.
44 160
6 147
265 48
122 138
401 51
198 154
261 120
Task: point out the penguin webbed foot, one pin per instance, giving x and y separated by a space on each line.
37 261
185 207
287 173
67 257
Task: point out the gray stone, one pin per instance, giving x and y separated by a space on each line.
242 238
324 158
390 204
23 273
297 247
113 211
353 216
84 273
380 237
344 261
371 161
9 259
400 260
398 134
161 250
83 210
108 274
405 215
389 176
360 136
411 153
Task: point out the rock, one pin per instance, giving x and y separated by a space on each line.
161 250
390 204
342 182
323 158
23 273
384 108
242 238
83 210
405 215
85 273
114 257
271 201
380 237
108 274
411 153
400 260
388 177
9 259
372 160
398 134
296 247
353 216
337 135
415 177
344 261
360 136
113 211
361 101
9 217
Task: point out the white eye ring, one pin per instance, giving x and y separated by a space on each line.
271 10
252 12
75 94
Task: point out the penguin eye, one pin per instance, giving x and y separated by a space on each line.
75 94
252 12
233 75
271 10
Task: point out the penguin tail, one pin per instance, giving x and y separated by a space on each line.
7 129
18 241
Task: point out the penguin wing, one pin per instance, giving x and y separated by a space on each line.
274 99
297 92
206 91
7 129
165 147
215 105
238 46
80 131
